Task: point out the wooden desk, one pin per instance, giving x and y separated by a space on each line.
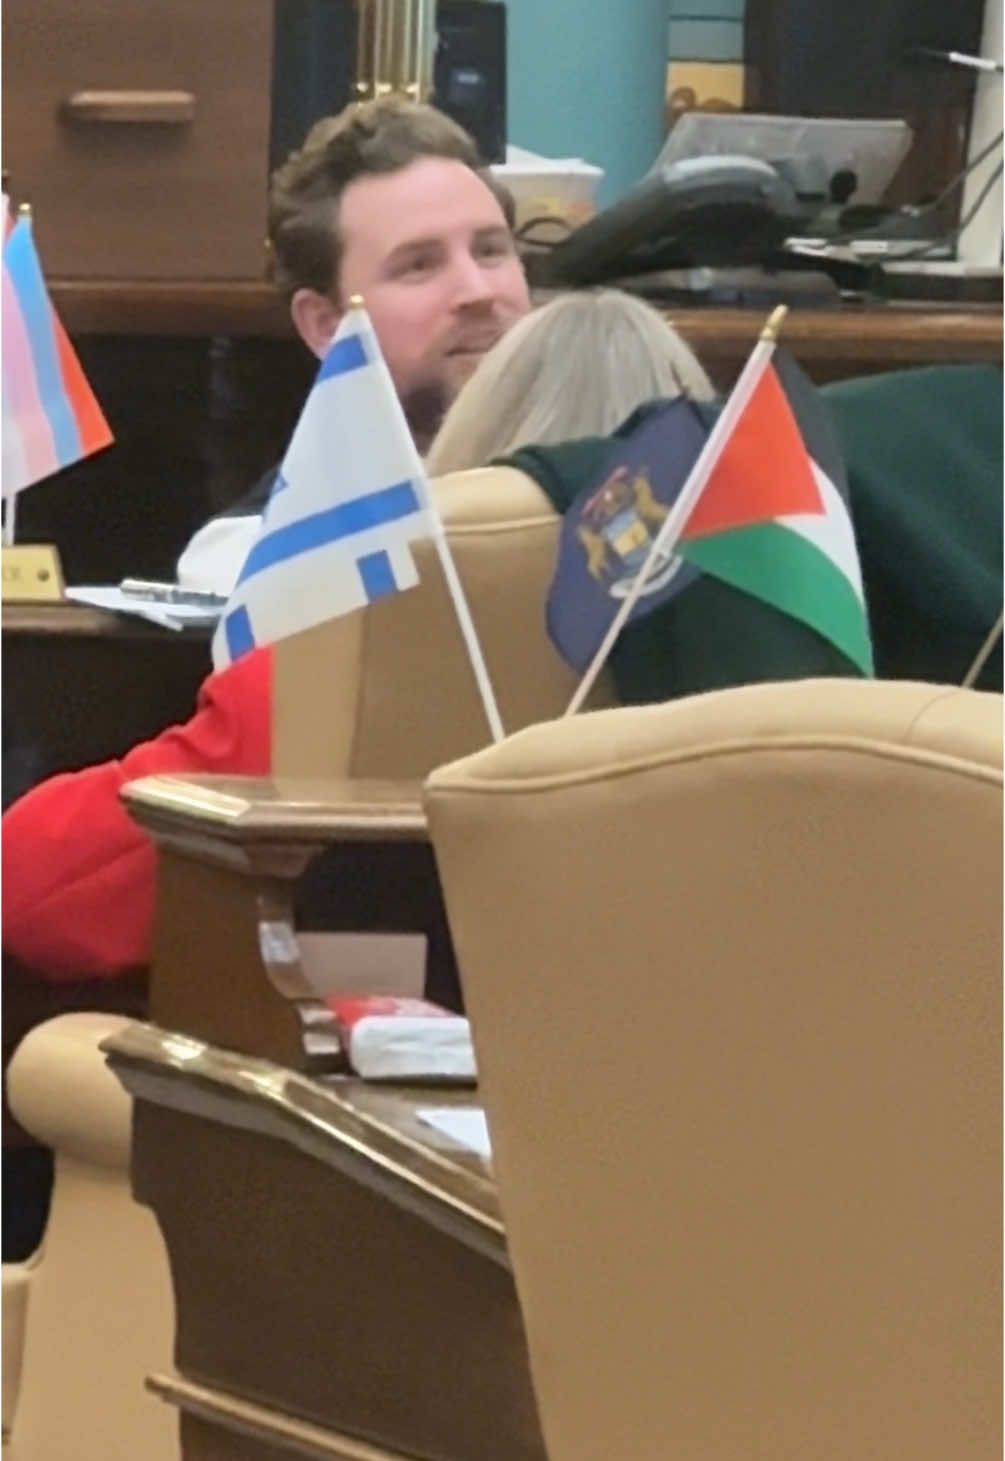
83 685
829 342
340 1269
856 340
242 863
341 1278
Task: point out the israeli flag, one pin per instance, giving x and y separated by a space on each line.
349 499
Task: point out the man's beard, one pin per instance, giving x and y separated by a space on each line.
424 407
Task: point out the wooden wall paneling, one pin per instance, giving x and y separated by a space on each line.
179 199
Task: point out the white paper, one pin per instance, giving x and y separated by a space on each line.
519 160
412 1046
167 615
464 1124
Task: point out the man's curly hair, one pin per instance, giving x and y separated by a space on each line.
366 139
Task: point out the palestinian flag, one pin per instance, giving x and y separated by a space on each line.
773 518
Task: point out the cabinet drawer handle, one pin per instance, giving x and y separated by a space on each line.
171 108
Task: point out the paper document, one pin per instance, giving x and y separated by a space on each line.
464 1124
169 615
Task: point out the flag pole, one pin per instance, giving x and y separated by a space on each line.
983 654
676 519
9 519
10 503
450 574
466 623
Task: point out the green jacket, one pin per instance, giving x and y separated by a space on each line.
922 450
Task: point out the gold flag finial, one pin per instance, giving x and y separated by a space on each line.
776 320
356 301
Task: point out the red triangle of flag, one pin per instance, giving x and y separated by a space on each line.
91 424
764 470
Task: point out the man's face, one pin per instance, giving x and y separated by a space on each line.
429 250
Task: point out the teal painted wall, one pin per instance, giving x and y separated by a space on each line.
706 30
587 78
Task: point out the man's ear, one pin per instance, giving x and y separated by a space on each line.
315 318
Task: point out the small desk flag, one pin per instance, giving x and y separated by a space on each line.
349 499
772 520
50 416
607 532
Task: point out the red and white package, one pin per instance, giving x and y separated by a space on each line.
388 1037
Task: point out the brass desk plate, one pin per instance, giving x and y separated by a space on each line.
32 573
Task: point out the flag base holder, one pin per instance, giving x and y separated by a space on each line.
32 573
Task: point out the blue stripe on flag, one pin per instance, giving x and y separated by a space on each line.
377 574
343 356
25 273
239 633
321 528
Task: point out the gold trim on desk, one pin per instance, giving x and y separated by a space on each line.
32 574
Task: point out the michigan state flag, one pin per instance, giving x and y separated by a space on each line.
608 530
772 521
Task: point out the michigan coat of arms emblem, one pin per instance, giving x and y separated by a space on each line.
617 526
612 523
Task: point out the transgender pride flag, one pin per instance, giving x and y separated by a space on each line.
50 416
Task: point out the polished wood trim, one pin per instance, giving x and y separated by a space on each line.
340 1121
907 333
165 307
259 1422
69 619
249 808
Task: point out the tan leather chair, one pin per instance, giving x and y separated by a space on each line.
734 969
387 692
90 1314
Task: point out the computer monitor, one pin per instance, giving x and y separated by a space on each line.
870 150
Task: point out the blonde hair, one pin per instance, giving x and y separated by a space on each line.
578 366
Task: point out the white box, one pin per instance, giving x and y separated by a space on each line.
549 187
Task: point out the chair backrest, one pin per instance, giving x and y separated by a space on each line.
923 453
389 691
98 1308
734 965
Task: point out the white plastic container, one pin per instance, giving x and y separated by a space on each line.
549 187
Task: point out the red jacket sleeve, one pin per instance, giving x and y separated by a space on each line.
79 873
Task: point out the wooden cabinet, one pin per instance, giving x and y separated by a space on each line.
139 132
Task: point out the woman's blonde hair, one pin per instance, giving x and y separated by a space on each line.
578 366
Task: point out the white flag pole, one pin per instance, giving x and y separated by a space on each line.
983 654
676 519
9 519
446 558
464 620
